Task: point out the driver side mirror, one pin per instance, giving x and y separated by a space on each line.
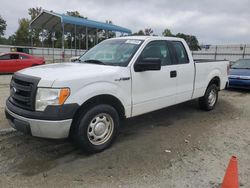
147 64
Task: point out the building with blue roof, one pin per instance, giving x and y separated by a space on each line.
52 22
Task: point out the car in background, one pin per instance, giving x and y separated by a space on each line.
239 74
15 61
231 63
74 58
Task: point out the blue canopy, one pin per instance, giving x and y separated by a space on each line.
53 21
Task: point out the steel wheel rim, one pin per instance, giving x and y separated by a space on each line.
212 98
100 129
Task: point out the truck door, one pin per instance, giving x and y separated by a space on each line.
185 72
152 90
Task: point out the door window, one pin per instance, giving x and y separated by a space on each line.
14 56
23 57
157 49
5 57
181 53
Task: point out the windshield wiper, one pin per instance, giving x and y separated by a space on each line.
94 61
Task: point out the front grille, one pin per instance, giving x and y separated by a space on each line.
23 91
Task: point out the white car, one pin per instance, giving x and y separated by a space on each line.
86 100
74 58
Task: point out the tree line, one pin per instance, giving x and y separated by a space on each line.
41 37
191 40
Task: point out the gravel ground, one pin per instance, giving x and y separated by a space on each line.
4 93
180 146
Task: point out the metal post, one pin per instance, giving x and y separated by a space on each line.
215 52
53 50
107 34
244 51
31 39
87 38
71 45
63 42
42 44
96 37
80 37
75 40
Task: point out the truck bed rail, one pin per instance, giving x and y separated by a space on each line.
207 60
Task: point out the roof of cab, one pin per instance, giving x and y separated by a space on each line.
143 37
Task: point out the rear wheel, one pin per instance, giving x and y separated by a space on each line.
209 100
97 128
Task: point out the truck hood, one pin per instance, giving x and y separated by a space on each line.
66 72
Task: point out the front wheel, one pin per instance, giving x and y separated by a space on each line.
209 100
97 128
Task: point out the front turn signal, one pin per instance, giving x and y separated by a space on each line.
64 94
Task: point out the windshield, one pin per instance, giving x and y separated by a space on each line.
241 64
117 52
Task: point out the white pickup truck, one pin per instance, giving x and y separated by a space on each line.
118 78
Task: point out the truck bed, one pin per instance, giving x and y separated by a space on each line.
205 70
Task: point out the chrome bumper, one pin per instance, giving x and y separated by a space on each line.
39 128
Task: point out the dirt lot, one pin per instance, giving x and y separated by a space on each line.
201 144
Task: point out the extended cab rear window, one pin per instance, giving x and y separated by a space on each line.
181 53
157 49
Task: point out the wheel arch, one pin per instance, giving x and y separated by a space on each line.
102 99
215 80
99 99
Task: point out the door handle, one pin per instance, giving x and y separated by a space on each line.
173 74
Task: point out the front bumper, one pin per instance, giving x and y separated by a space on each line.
40 128
239 83
54 122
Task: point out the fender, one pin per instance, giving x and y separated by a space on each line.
103 88
201 86
215 73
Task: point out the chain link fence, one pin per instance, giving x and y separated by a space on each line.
51 55
221 52
216 52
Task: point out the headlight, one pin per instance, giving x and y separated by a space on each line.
49 96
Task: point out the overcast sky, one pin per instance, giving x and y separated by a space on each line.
212 21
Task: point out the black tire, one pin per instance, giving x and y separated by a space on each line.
204 102
82 128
